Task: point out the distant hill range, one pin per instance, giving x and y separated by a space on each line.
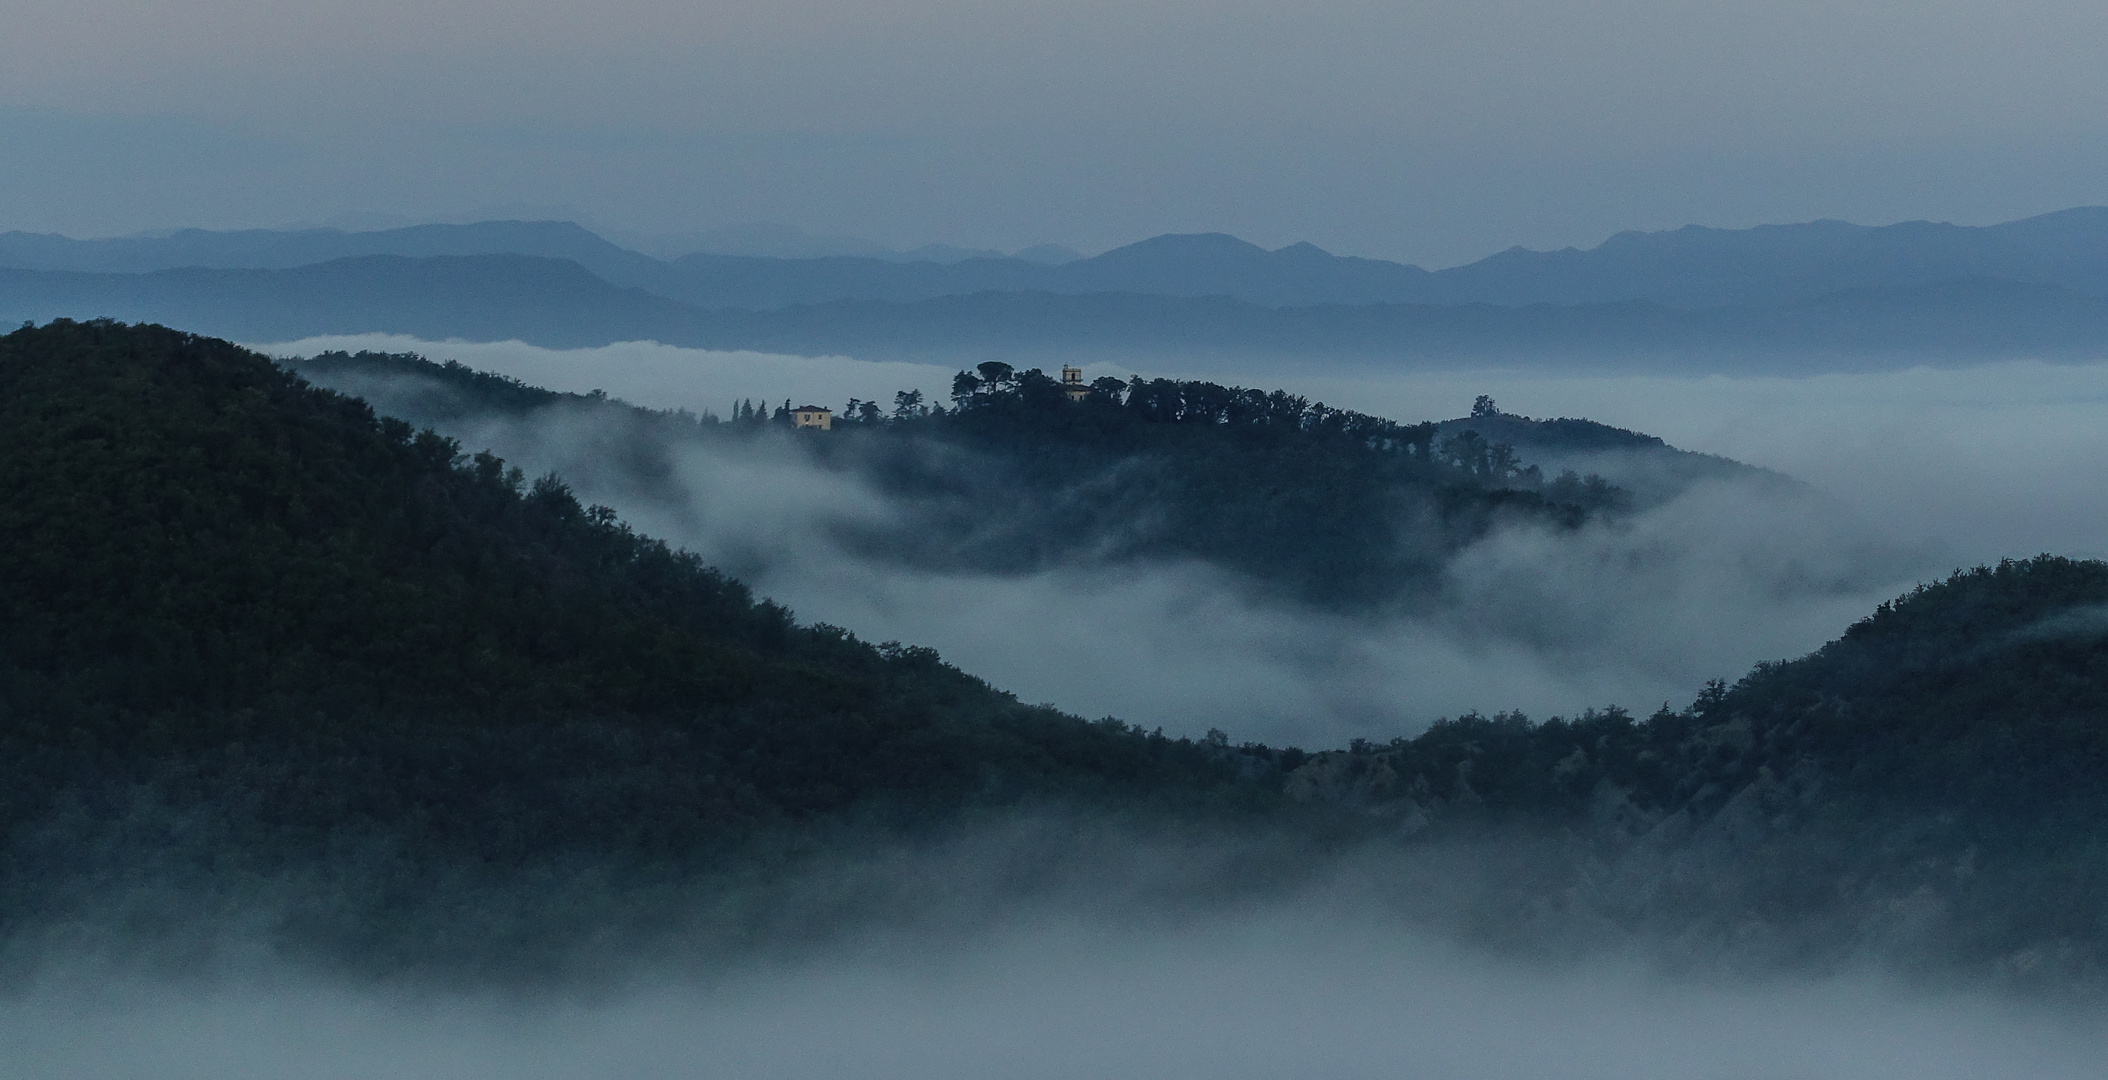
1823 294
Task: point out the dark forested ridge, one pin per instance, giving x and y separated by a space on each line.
232 594
1329 506
1336 507
1938 774
1648 469
253 632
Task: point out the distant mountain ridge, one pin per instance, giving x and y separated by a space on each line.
789 242
1696 266
269 249
1687 268
558 303
553 302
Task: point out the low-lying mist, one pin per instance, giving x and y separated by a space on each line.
1052 948
1286 997
1977 463
1905 479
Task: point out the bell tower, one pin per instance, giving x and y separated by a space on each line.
1072 383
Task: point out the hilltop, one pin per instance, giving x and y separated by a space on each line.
1325 506
1646 467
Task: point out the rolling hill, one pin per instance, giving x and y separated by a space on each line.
253 628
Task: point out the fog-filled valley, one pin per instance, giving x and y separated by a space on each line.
1414 754
997 541
1437 735
1880 481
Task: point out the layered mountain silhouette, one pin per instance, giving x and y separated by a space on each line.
1693 266
1819 294
557 303
547 301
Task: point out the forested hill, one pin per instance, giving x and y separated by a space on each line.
256 606
1973 711
1326 506
1934 782
1644 465
1333 506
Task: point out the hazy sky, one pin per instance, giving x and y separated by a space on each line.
1430 131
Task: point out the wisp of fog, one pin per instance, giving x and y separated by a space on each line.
1907 474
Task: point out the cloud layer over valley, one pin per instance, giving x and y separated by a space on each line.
1900 488
1047 939
1266 997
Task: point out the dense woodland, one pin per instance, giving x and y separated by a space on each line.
1326 506
1333 506
235 595
1939 773
253 632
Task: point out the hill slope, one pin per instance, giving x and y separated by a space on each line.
1930 787
248 604
1325 506
1650 469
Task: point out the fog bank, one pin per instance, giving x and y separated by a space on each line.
1998 460
1269 994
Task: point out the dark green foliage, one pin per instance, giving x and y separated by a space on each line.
1940 770
231 594
1330 506
1321 505
1981 702
1985 697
